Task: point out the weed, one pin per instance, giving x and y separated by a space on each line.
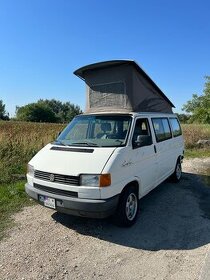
12 199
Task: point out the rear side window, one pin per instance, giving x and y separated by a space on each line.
176 128
162 129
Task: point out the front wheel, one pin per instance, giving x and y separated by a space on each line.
176 176
127 211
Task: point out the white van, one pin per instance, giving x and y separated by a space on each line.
108 158
103 163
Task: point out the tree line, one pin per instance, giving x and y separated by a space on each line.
44 110
196 110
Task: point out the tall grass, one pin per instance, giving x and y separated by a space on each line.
19 142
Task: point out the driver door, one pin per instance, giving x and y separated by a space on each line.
144 155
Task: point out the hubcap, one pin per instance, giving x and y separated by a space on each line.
131 206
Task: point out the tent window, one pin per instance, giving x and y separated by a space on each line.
108 95
118 87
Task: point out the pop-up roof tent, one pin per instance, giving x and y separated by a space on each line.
121 86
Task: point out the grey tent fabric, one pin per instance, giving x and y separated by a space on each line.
121 86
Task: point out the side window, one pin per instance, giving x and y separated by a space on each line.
166 128
141 135
162 129
176 128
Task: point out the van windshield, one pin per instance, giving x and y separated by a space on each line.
96 131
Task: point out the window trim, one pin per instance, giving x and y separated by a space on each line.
150 132
158 141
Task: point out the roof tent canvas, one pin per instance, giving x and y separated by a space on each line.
121 86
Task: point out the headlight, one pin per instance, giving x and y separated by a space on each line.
30 170
102 180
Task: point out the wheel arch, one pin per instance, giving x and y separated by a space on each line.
134 184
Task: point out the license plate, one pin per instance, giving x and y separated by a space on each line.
48 201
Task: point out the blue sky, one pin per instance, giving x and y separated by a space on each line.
43 41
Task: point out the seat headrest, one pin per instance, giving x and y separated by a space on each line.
106 126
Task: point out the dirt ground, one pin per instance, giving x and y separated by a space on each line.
171 239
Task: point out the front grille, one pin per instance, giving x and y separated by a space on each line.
55 191
57 178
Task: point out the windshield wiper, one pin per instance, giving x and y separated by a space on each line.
59 143
118 140
90 144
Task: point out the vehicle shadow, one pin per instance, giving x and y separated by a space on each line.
173 216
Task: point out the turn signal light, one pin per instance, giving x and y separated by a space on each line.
105 180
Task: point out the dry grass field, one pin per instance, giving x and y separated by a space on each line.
19 141
194 132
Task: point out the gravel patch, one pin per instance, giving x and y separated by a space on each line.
170 240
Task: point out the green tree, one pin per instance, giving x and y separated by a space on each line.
35 112
64 112
68 112
3 114
183 118
199 106
48 111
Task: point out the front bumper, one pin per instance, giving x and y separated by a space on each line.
93 208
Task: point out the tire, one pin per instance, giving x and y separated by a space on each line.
127 211
176 176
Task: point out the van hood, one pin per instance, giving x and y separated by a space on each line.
71 160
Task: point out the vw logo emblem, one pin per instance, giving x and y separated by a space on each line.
52 177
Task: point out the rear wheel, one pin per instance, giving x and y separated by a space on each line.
176 176
127 211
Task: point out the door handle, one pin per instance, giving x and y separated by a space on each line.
155 149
